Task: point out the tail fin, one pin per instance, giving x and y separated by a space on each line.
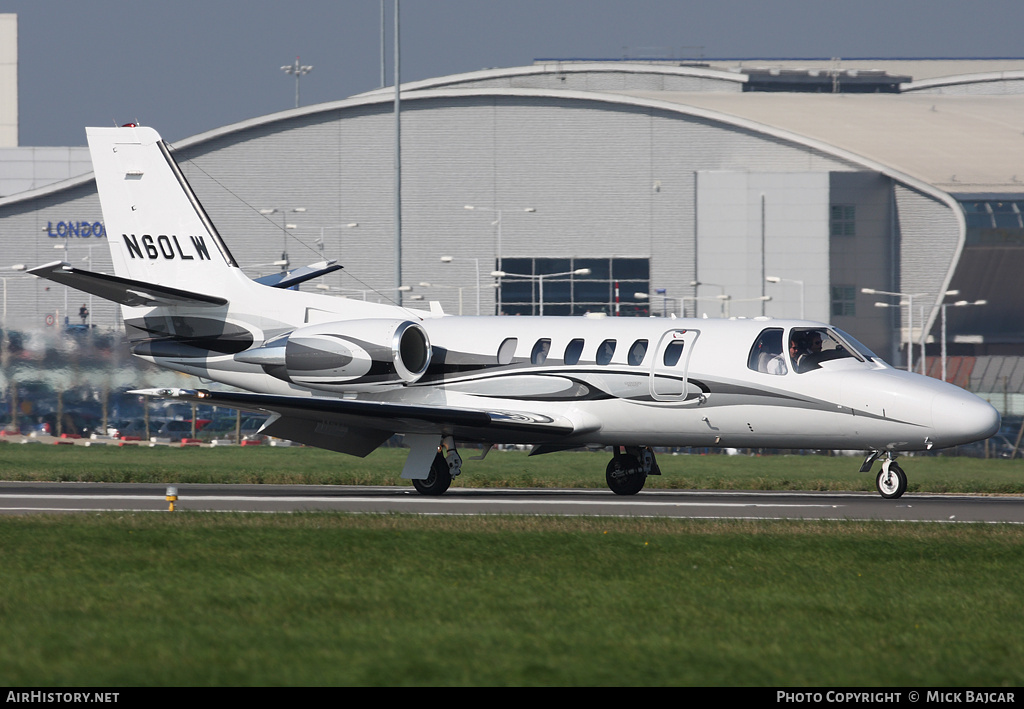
157 230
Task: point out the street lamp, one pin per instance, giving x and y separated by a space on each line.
497 222
776 279
299 70
426 284
697 284
540 279
727 299
285 226
910 317
449 259
957 304
362 291
640 295
322 241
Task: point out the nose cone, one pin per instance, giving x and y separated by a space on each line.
960 417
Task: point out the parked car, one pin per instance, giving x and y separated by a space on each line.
130 427
998 447
250 427
178 429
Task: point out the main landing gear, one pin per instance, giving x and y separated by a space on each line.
627 471
891 481
446 467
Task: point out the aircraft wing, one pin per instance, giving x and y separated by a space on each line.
358 427
121 290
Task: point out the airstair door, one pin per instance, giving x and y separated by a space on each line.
670 363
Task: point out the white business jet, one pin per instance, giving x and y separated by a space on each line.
347 375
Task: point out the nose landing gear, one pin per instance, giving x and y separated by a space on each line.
891 481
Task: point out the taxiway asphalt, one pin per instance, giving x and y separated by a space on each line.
37 497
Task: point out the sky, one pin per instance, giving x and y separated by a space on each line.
188 66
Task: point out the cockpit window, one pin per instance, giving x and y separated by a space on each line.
766 355
810 347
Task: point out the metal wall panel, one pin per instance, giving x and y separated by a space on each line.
754 225
605 179
928 239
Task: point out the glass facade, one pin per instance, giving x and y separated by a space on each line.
609 288
994 222
842 220
844 300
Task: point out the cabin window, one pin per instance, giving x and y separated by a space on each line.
573 351
507 350
605 352
540 351
637 353
673 353
766 355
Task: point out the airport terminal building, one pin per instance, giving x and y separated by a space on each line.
737 189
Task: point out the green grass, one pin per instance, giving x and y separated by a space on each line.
322 599
499 469
201 599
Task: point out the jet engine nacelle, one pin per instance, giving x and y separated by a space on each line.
337 355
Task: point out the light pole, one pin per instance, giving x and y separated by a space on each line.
957 304
426 284
776 279
322 241
910 317
450 259
362 291
697 284
640 295
299 70
64 246
727 299
497 223
285 226
540 279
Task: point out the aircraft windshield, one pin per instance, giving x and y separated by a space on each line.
857 346
809 348
805 350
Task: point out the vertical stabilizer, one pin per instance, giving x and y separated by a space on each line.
156 228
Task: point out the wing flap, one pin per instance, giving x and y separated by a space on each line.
353 440
122 290
357 426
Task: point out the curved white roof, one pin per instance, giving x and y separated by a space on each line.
960 144
528 76
957 144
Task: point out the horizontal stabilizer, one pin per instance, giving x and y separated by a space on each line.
299 275
122 290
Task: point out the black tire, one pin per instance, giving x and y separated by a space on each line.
893 484
624 475
438 481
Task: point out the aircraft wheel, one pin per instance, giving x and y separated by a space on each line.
625 476
891 483
438 481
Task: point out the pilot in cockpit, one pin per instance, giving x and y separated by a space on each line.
808 350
